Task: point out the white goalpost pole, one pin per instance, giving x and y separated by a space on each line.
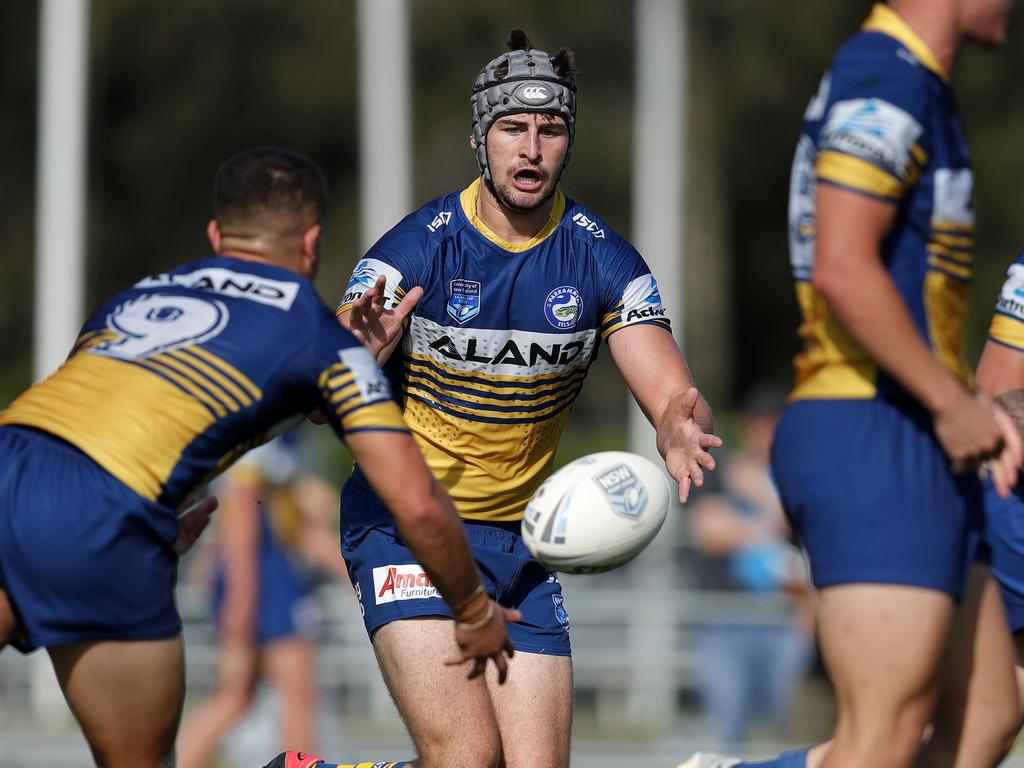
385 175
60 186
659 173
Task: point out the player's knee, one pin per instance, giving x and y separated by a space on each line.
235 702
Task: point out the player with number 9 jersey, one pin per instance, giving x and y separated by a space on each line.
168 383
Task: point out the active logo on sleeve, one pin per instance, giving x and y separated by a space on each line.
402 582
873 130
365 275
641 300
1011 297
373 385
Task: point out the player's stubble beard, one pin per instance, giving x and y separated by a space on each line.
503 193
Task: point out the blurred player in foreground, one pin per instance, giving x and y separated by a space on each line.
169 382
1001 376
488 306
876 456
271 532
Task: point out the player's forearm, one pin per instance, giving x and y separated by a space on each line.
422 510
436 537
867 303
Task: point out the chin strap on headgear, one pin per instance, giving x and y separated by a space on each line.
516 82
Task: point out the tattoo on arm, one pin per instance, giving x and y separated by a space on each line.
1013 403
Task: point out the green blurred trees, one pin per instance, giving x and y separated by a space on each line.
176 87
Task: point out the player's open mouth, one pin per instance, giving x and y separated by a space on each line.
527 180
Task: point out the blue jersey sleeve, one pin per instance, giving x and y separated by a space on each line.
354 393
872 137
630 293
399 255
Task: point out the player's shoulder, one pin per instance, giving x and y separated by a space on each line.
424 228
872 61
583 224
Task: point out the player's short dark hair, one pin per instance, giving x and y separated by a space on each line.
268 181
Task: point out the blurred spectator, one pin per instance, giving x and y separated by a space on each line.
752 658
274 527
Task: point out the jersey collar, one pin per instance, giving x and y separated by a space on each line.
885 20
468 198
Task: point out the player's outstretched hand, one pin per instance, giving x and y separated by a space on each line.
192 521
972 431
485 638
376 327
685 445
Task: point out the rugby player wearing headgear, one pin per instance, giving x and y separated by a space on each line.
488 306
169 383
876 456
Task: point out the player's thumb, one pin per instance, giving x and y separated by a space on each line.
405 306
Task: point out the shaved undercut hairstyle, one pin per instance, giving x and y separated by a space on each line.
269 183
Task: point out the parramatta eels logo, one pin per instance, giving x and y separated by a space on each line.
563 306
623 489
464 302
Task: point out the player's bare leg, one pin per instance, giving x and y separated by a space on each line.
978 714
536 684
289 664
8 621
450 718
231 698
882 645
127 697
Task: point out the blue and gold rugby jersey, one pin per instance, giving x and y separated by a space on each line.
498 346
884 123
173 379
1007 326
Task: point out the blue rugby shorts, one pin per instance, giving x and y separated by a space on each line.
870 494
82 556
391 585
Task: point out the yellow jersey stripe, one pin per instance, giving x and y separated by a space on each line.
185 385
420 372
343 394
338 369
478 375
233 404
966 258
857 174
952 227
1007 330
190 358
468 411
229 370
955 270
517 398
963 242
383 414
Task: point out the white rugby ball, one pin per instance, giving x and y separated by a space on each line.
596 513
